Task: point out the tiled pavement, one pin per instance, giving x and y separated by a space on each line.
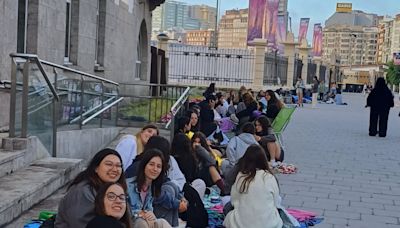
348 177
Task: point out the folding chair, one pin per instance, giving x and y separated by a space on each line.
281 121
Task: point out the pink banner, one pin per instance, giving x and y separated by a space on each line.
271 22
281 34
317 40
396 58
303 28
256 19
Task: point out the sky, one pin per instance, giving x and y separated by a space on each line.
317 10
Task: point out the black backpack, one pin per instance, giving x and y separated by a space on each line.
196 215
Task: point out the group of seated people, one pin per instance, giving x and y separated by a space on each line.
149 182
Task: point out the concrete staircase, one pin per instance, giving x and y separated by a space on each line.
29 175
50 203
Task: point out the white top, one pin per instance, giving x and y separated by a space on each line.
127 149
257 207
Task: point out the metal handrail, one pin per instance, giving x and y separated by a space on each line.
174 109
179 101
37 60
101 111
78 72
90 111
35 57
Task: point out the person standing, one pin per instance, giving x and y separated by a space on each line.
321 90
299 91
380 100
315 91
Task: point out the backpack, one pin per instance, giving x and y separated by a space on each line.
196 215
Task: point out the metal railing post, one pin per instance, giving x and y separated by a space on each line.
25 91
102 103
55 116
13 97
81 109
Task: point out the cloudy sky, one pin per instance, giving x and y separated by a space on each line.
317 10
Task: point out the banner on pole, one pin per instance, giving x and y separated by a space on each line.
303 28
317 40
281 34
256 19
270 22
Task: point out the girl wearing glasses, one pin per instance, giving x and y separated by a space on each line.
144 187
110 207
76 209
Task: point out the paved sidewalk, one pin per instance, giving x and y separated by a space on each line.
348 177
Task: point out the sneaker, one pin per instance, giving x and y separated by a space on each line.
274 164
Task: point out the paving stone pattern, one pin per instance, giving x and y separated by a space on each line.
349 178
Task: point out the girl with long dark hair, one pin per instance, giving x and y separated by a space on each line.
76 209
266 138
110 207
274 105
146 185
255 192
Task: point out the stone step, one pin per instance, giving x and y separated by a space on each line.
28 186
11 161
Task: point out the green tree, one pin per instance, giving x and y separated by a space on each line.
393 73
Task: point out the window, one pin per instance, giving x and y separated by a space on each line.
67 31
138 58
100 33
22 25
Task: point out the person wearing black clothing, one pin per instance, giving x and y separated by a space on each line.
380 100
251 106
207 123
210 90
274 105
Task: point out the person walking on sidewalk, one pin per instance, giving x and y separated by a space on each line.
380 100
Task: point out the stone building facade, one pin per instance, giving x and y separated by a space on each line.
109 38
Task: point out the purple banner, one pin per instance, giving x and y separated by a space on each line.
303 28
271 22
281 34
256 19
317 40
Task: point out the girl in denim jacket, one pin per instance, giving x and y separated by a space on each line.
145 186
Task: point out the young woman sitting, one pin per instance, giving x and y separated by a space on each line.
144 187
195 161
266 138
110 207
255 193
130 146
76 209
199 137
274 105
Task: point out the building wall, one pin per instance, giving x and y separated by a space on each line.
200 37
354 45
8 44
122 20
232 30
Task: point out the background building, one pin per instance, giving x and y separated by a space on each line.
232 30
389 38
205 14
353 36
200 38
174 14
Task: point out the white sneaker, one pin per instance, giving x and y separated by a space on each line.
274 164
